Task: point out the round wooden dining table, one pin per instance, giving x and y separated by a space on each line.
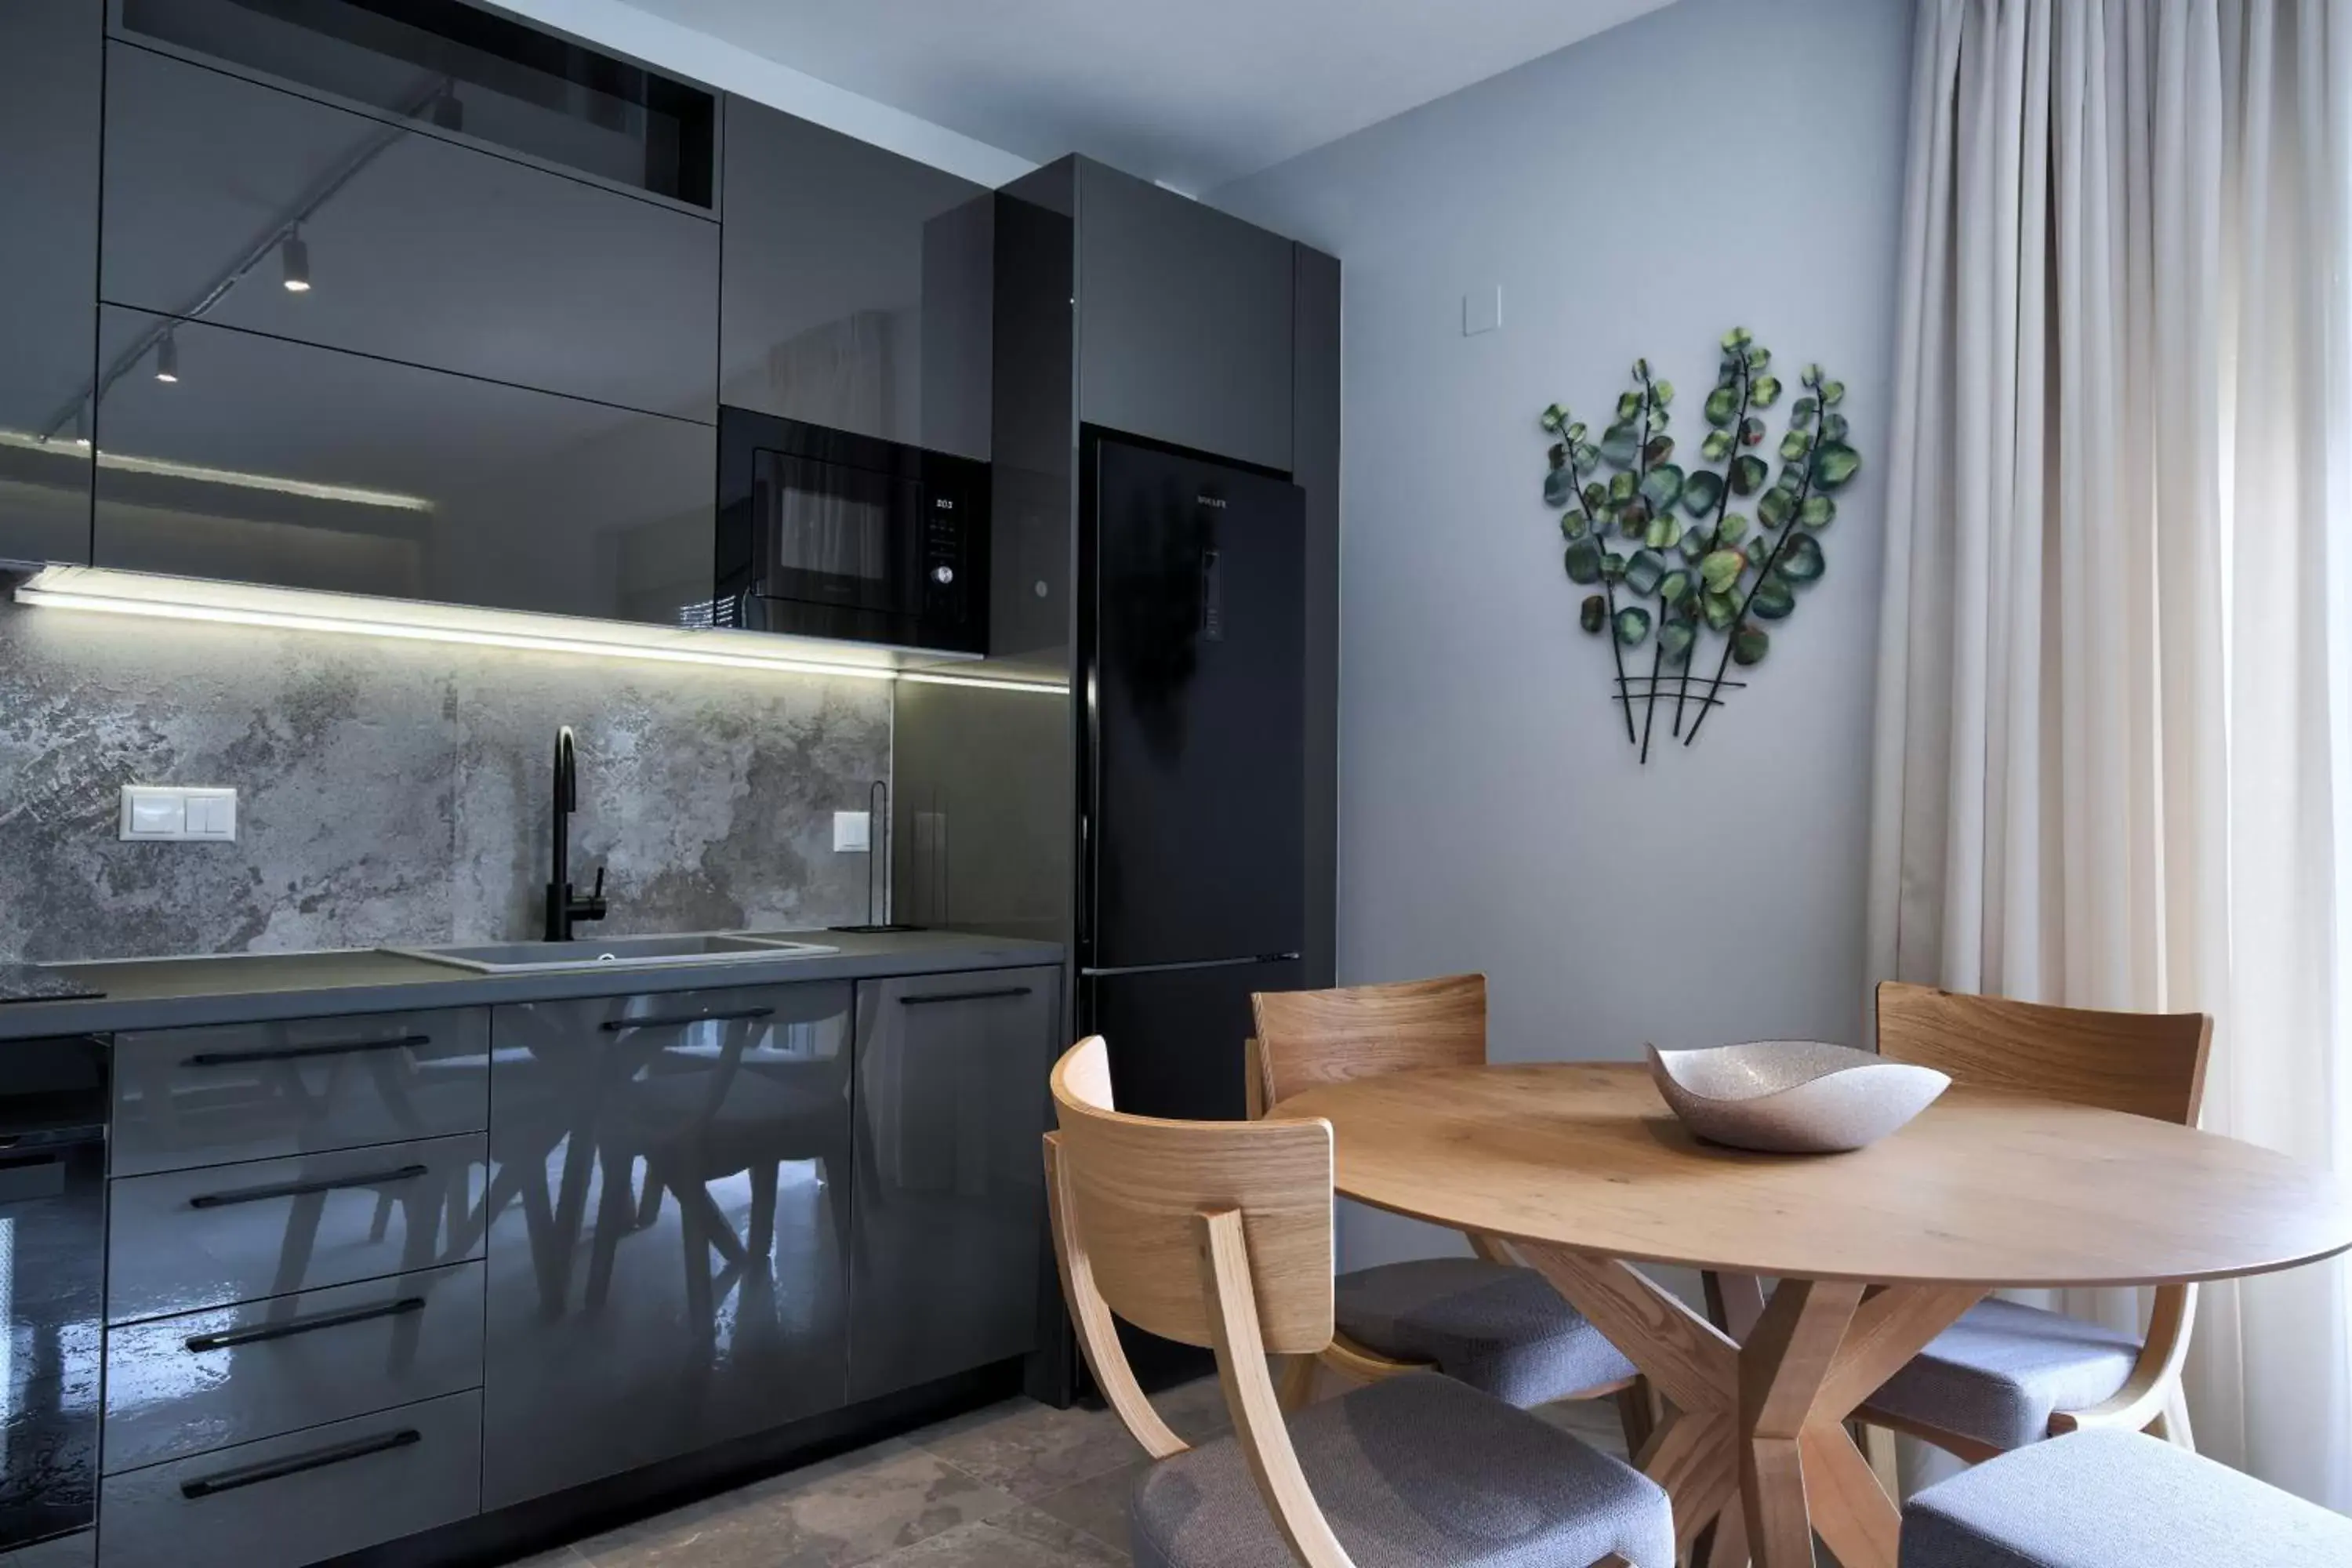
1587 1175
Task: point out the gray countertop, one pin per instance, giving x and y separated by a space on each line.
169 993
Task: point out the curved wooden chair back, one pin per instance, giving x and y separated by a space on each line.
1211 1233
1136 1187
2149 1064
1311 1037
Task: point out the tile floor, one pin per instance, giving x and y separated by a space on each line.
1017 1485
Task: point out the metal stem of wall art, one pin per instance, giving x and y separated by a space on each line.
1728 579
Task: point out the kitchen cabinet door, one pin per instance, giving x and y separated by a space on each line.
414 248
948 1260
856 286
669 1214
1184 329
48 273
267 461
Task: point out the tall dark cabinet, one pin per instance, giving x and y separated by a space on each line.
49 129
1128 314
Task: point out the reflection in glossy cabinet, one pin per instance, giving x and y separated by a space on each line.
265 461
49 251
856 290
256 1091
190 1384
951 1200
302 1498
669 1212
411 246
186 1240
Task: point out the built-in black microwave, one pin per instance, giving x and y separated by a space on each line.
825 533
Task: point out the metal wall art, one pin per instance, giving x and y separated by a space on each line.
1674 565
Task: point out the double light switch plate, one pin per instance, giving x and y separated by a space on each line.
157 812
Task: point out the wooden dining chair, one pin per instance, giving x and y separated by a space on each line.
1218 1234
1484 1319
2009 1374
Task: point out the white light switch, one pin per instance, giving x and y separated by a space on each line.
853 832
1482 311
153 812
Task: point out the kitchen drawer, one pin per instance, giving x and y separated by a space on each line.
301 1498
186 1240
183 1386
256 1091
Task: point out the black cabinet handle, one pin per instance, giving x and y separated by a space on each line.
964 996
680 1020
232 1338
301 1189
294 1464
325 1049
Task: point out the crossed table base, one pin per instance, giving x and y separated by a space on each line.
1755 1442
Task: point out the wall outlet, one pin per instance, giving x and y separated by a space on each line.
1482 311
156 812
853 832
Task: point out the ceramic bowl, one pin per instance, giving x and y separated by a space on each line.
1792 1097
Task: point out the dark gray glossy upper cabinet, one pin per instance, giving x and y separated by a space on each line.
857 291
267 461
468 73
221 193
1184 331
48 269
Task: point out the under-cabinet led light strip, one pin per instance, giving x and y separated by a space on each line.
137 594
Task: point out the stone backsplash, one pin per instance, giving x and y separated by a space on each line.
398 792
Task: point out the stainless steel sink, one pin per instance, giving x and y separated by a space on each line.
613 953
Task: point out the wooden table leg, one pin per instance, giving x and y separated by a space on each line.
1756 1442
1693 1364
1781 1369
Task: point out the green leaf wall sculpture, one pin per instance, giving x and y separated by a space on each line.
1690 562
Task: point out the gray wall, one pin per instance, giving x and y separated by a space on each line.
398 792
1716 162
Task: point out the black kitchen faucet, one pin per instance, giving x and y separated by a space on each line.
562 907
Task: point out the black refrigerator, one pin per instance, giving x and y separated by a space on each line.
1193 866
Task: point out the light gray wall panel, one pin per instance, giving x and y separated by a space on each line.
1491 815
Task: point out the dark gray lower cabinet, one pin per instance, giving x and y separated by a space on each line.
253 1091
301 1498
187 1240
79 1550
669 1206
951 1194
176 1387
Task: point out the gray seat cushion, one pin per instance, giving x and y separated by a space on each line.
2106 1499
1416 1471
1493 1326
1998 1373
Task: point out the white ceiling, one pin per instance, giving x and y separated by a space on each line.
1192 92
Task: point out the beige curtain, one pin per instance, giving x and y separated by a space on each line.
2114 727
